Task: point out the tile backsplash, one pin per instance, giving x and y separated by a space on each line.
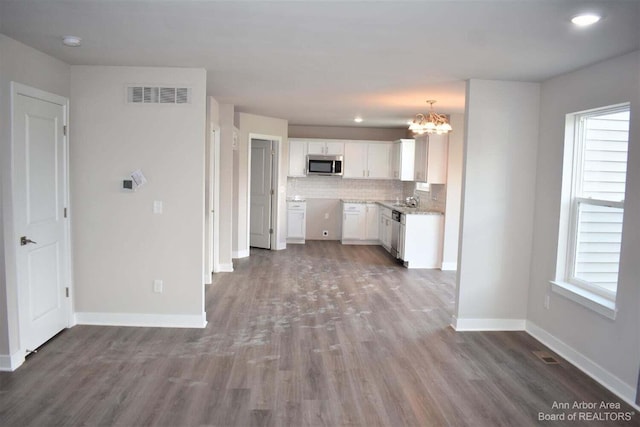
330 187
435 198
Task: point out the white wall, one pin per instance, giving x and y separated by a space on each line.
28 66
250 124
611 348
454 193
348 132
501 139
120 246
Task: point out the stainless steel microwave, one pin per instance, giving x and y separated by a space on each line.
324 165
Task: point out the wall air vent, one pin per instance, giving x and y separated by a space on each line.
158 95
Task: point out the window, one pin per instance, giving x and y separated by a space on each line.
594 192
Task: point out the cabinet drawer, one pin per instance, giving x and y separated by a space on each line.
353 207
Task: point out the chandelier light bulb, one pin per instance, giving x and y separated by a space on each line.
431 122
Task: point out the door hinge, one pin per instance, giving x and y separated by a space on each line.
66 292
271 231
65 212
272 192
64 130
273 152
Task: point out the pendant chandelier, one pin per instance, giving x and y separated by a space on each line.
430 123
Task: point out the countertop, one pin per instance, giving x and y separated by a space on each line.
390 204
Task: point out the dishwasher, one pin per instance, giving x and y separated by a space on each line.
396 219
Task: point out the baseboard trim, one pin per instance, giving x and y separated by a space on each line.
461 325
586 365
360 242
240 254
225 268
142 320
449 266
9 363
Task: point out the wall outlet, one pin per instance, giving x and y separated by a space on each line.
326 215
157 286
157 207
325 233
546 301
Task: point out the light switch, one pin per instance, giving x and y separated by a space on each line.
157 207
158 286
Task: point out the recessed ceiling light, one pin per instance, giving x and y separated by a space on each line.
585 19
71 41
358 119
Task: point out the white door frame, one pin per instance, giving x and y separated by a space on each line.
275 179
213 264
17 357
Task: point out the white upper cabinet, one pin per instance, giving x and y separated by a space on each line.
403 159
355 160
297 157
431 159
379 160
370 160
326 148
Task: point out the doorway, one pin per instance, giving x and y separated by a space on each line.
261 194
41 227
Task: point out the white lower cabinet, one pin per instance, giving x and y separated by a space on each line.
352 221
385 228
359 223
296 221
371 231
420 240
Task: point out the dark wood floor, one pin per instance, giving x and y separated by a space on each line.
320 334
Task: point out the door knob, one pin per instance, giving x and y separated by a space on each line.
24 240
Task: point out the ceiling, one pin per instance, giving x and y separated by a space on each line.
325 62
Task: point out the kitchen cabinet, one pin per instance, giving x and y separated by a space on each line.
420 240
385 228
353 225
359 223
324 147
431 159
371 230
367 160
296 221
297 157
403 159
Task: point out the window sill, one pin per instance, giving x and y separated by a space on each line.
585 298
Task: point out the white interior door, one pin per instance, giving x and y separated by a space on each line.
41 239
260 209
